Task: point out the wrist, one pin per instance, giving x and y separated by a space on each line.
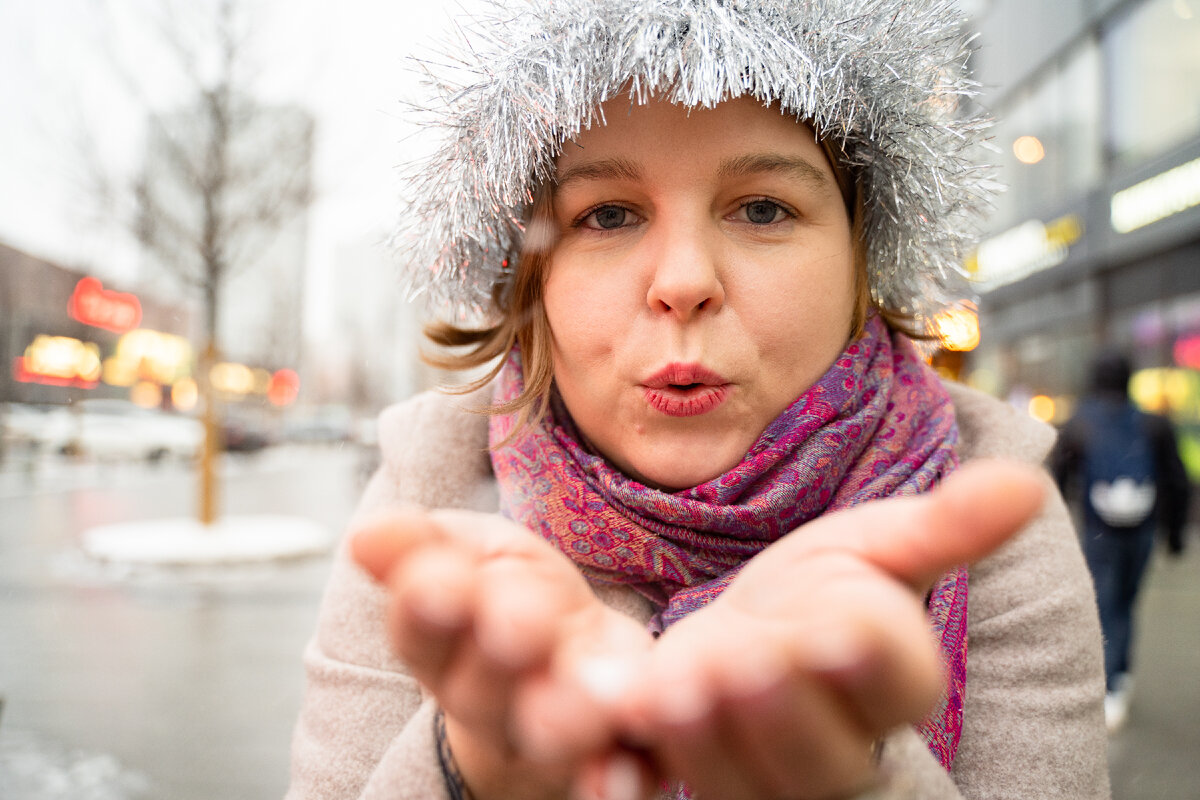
456 785
475 769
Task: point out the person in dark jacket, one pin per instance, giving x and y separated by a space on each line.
1123 467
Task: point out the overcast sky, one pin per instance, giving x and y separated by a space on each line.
346 61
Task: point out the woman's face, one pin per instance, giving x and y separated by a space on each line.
702 279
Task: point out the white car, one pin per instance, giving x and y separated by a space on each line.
24 424
118 429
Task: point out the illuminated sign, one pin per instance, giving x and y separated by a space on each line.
94 305
1021 251
237 381
59 361
148 355
1157 198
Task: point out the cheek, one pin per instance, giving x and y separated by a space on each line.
583 313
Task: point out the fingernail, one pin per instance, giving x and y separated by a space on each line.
606 677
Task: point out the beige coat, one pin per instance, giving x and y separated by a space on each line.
1033 722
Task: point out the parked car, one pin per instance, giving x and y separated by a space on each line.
242 437
118 429
327 425
23 424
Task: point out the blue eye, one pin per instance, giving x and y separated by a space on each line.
763 212
608 217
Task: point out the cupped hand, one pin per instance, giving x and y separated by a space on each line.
505 632
781 686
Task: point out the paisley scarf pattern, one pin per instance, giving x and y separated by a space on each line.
878 423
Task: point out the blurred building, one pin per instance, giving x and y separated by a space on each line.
1097 240
64 336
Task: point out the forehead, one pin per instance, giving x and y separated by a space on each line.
661 131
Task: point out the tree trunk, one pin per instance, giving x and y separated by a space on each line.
209 504
208 508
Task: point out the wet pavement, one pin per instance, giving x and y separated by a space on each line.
164 684
1156 755
183 684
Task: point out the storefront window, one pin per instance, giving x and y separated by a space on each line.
1049 139
1163 340
1154 59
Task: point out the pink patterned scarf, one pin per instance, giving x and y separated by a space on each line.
877 424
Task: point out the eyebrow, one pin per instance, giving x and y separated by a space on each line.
605 169
624 169
793 166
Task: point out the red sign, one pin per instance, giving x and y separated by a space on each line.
94 305
1187 351
22 373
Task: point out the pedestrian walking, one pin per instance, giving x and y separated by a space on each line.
708 526
1122 468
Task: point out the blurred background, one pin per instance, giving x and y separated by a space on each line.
199 320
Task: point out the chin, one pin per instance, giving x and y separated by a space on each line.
683 471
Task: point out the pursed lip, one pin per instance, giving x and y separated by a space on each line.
685 390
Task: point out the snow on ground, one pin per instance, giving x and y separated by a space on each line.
35 768
183 541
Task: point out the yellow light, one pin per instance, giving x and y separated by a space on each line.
146 394
1029 149
1164 390
118 372
184 394
958 328
87 362
155 356
232 378
1041 407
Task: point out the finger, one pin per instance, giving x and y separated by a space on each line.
677 716
796 737
573 708
614 775
974 511
431 609
382 541
916 539
886 667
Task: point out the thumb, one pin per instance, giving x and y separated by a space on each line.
915 539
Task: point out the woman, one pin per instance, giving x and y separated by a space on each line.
698 229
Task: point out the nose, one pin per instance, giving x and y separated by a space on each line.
686 279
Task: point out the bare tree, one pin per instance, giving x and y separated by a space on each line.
224 175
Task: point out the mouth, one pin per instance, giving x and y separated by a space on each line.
685 390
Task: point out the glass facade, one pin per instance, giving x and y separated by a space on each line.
1154 66
1050 138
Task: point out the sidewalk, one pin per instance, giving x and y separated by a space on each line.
1156 755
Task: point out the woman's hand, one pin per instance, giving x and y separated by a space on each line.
504 631
820 646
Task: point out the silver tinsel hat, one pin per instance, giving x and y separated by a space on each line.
884 78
